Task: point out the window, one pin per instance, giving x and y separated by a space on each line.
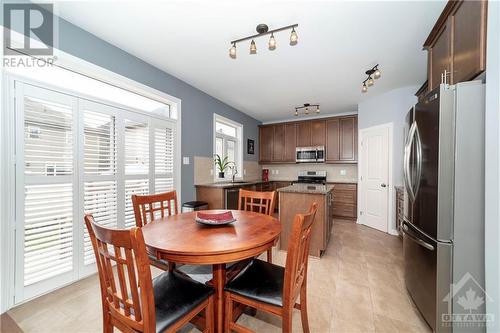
228 143
79 156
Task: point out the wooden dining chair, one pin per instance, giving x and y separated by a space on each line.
153 206
273 288
150 207
164 304
259 202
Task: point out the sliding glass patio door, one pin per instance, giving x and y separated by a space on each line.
75 156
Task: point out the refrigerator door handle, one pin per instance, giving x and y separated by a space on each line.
418 143
420 242
406 162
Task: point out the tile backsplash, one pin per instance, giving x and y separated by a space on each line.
334 172
204 170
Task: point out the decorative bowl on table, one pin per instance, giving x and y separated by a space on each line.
215 218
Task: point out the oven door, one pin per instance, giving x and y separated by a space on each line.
306 154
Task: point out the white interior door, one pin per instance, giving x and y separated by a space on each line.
374 187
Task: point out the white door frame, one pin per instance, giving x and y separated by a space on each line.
390 228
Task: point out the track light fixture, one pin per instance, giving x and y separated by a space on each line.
373 73
263 29
307 107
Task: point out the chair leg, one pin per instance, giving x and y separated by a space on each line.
287 320
209 316
107 327
270 255
228 314
303 309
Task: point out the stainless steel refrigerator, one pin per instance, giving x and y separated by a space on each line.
443 230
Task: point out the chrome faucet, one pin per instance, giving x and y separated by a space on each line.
234 171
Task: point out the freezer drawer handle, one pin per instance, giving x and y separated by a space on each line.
416 240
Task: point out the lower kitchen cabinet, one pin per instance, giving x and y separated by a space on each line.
345 198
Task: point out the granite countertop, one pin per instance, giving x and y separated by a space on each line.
238 183
307 188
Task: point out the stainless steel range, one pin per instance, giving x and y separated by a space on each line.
312 177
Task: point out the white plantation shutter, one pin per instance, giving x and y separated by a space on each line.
164 158
100 166
133 186
76 156
137 157
45 190
48 231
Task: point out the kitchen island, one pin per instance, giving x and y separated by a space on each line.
298 198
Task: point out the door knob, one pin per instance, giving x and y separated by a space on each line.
383 185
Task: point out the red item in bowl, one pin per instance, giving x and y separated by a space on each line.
216 217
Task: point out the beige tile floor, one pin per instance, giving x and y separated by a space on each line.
357 286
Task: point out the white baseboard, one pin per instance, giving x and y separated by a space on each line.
393 232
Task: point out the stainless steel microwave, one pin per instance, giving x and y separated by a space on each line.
310 154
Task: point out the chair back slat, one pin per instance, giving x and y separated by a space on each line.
153 206
298 254
259 202
123 266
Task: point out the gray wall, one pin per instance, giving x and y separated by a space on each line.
197 107
492 164
390 107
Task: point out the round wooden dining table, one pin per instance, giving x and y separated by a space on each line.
180 239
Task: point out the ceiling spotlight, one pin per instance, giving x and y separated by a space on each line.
306 108
253 47
365 88
372 73
272 42
370 82
376 74
232 51
263 30
293 37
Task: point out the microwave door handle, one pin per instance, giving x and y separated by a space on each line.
406 162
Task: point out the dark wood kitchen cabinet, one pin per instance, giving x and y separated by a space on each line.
332 140
278 143
304 133
290 142
339 135
457 43
318 135
342 140
345 198
348 139
266 143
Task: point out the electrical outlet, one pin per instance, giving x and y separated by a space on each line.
185 160
343 172
244 172
277 171
211 172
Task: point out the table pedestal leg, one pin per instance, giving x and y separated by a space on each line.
219 280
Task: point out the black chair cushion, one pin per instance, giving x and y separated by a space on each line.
175 296
260 281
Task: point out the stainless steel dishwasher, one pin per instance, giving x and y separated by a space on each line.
231 198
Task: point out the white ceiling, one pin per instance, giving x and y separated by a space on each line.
338 41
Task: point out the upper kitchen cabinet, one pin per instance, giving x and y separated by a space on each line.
290 140
304 134
348 127
339 135
318 134
266 143
457 43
